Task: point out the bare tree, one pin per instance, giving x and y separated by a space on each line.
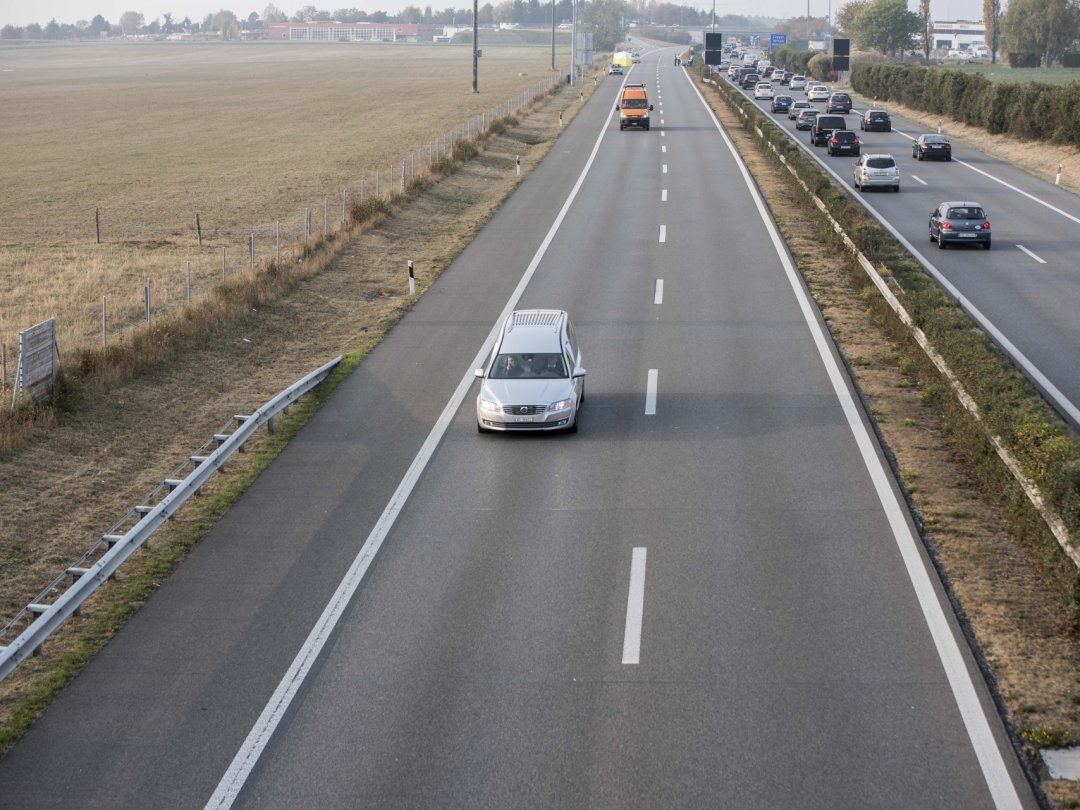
928 26
992 21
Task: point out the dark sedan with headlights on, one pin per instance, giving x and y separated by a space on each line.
931 147
958 223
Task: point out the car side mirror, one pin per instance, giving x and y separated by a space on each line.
479 373
579 372
650 107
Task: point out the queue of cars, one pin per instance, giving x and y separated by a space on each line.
950 223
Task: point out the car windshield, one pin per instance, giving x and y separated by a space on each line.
880 163
528 366
966 213
635 104
878 116
934 139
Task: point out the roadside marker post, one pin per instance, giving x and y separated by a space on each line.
412 279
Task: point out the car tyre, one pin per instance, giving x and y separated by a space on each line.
940 242
949 159
932 239
986 245
573 427
896 188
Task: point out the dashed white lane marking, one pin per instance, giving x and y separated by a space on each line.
663 233
663 195
1032 255
635 609
919 180
658 296
664 170
650 392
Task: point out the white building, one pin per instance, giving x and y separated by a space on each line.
960 35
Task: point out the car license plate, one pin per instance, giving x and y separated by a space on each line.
533 418
967 235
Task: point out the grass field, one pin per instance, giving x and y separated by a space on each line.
1001 72
246 135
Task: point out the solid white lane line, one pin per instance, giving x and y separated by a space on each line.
998 782
228 789
635 609
658 296
663 233
663 195
1032 255
1020 191
650 392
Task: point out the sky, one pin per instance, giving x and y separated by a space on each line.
21 12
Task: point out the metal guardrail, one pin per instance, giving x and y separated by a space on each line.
61 599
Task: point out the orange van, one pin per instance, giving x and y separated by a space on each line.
633 107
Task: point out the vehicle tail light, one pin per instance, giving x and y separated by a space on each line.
986 225
856 139
946 226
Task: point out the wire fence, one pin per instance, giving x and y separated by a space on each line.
220 253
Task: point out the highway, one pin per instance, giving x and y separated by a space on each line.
712 595
1026 290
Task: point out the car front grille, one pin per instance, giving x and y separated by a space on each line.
524 410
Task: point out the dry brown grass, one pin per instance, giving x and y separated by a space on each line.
247 135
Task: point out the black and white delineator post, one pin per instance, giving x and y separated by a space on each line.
412 279
517 162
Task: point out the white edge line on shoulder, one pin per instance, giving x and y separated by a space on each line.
1000 785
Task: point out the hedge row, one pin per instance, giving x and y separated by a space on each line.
1031 111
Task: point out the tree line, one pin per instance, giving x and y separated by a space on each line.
1046 28
607 14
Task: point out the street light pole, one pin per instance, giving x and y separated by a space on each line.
553 35
476 45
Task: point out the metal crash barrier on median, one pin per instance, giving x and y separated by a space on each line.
65 594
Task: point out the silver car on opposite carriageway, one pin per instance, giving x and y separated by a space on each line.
534 379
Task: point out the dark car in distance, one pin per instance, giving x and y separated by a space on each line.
749 80
876 121
958 223
843 142
931 147
781 104
838 103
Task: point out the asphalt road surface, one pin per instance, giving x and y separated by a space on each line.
1026 290
711 596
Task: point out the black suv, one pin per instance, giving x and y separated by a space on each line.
838 103
843 142
749 80
876 120
824 126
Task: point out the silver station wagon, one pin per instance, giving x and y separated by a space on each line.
534 379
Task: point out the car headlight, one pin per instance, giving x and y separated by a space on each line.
490 406
561 405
